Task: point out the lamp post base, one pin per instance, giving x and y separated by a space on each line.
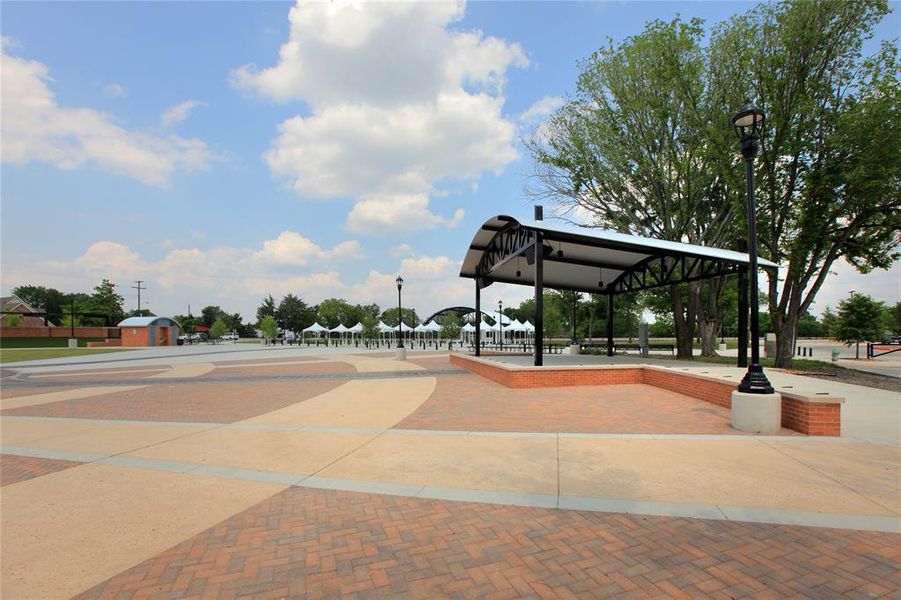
73 342
756 413
400 353
755 382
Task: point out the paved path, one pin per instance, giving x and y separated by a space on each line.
200 485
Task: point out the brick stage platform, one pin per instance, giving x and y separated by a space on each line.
815 415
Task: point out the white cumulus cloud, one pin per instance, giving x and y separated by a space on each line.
291 248
400 103
36 128
176 114
541 110
115 90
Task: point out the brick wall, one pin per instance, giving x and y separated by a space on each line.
715 392
135 336
812 418
59 332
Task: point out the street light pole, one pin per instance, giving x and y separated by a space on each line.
401 349
500 322
748 125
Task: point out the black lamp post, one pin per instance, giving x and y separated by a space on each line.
400 339
748 125
500 322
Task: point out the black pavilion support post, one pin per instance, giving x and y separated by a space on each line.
478 317
609 324
743 310
538 249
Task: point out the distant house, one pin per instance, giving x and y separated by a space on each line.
149 331
14 304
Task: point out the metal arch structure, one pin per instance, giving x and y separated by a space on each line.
458 311
595 261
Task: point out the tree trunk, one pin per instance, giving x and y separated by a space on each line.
708 299
786 328
684 323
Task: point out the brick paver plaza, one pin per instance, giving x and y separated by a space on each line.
268 474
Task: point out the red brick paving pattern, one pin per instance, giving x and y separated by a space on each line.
15 468
432 362
323 543
204 402
293 369
103 375
472 403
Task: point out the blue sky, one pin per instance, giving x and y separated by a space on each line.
173 143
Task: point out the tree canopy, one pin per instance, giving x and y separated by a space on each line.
646 146
859 319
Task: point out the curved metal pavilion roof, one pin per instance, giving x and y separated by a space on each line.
590 260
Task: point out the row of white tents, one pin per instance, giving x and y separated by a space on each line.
510 329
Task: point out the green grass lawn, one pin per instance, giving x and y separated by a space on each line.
8 355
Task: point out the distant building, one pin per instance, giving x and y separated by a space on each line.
149 331
14 304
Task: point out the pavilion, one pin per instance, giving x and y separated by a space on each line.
595 261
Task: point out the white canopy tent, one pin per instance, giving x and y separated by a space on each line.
314 328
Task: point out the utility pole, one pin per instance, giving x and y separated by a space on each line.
139 288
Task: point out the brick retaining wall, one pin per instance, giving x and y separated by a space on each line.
58 332
818 417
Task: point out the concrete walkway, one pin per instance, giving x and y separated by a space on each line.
156 480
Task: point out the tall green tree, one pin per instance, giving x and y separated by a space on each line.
334 311
294 314
107 301
186 323
830 169
859 320
39 297
370 327
266 309
411 319
894 318
218 328
210 314
269 327
450 327
640 150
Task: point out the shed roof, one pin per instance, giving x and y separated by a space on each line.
147 322
583 258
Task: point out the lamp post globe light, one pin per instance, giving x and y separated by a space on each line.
401 349
500 322
748 125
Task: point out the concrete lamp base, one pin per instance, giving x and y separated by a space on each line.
575 348
400 354
756 413
73 342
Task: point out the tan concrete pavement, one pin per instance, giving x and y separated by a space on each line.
740 472
65 532
377 404
301 453
491 463
89 437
